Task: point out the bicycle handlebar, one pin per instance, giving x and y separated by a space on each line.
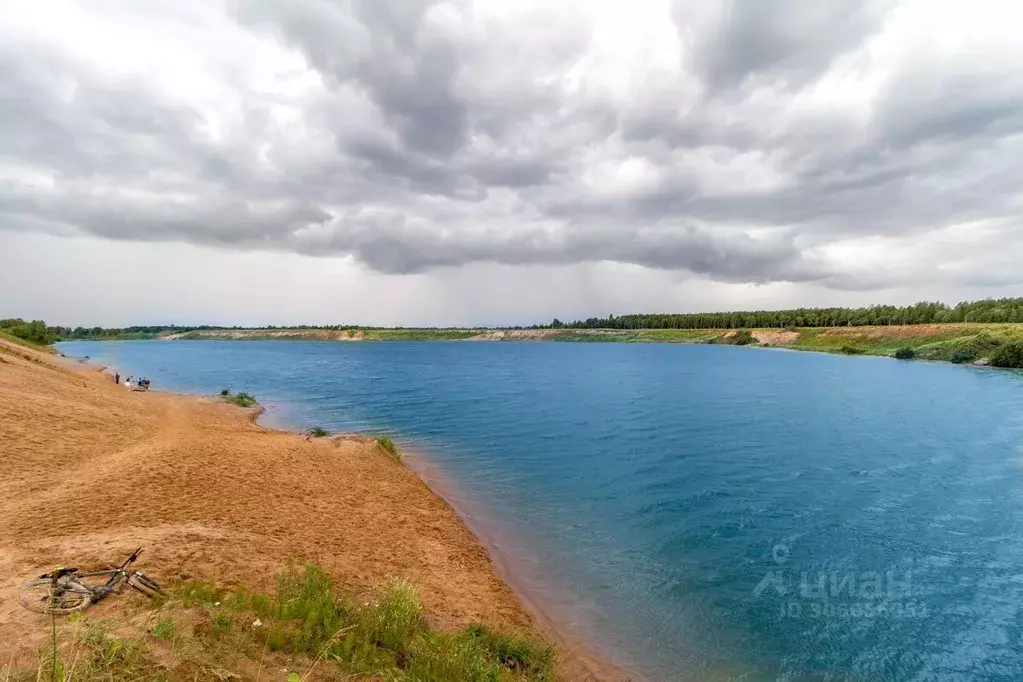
131 559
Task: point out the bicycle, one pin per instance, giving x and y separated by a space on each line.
65 590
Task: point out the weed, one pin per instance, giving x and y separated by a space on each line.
222 623
851 350
319 432
388 445
905 353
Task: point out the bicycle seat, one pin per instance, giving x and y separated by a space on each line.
59 573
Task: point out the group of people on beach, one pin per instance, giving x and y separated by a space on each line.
133 383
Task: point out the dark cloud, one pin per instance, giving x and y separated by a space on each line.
417 135
789 40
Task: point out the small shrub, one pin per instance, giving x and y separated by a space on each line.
319 432
961 357
743 338
225 393
1008 355
905 354
388 445
851 350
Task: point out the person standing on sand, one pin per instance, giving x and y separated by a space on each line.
117 378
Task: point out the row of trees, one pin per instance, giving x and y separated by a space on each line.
988 310
35 331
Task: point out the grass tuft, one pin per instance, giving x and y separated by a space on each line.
164 628
388 445
319 432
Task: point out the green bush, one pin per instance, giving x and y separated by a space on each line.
851 350
961 357
743 337
225 393
961 350
319 432
905 353
1008 355
388 445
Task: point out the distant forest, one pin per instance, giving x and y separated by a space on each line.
988 310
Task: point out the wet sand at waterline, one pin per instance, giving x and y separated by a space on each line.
92 470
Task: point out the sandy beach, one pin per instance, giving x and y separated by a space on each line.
92 470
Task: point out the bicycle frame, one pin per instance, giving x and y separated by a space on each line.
114 577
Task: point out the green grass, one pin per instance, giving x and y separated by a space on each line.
382 636
164 628
388 445
952 343
318 432
417 334
240 399
306 623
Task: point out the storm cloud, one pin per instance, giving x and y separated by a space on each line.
852 145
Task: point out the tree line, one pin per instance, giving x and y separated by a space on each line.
926 312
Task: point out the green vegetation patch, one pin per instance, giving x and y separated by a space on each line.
960 350
389 447
317 631
384 636
318 432
34 333
905 353
1009 355
242 399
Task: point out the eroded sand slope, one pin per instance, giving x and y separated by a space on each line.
91 470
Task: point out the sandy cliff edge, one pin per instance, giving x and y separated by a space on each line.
91 470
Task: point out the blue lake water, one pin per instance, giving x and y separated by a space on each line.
698 511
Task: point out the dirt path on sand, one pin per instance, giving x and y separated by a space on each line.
92 470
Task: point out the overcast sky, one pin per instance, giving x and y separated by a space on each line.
503 161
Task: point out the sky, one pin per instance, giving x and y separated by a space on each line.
489 162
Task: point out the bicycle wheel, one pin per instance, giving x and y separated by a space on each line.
41 596
146 585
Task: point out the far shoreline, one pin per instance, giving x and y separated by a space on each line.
963 343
